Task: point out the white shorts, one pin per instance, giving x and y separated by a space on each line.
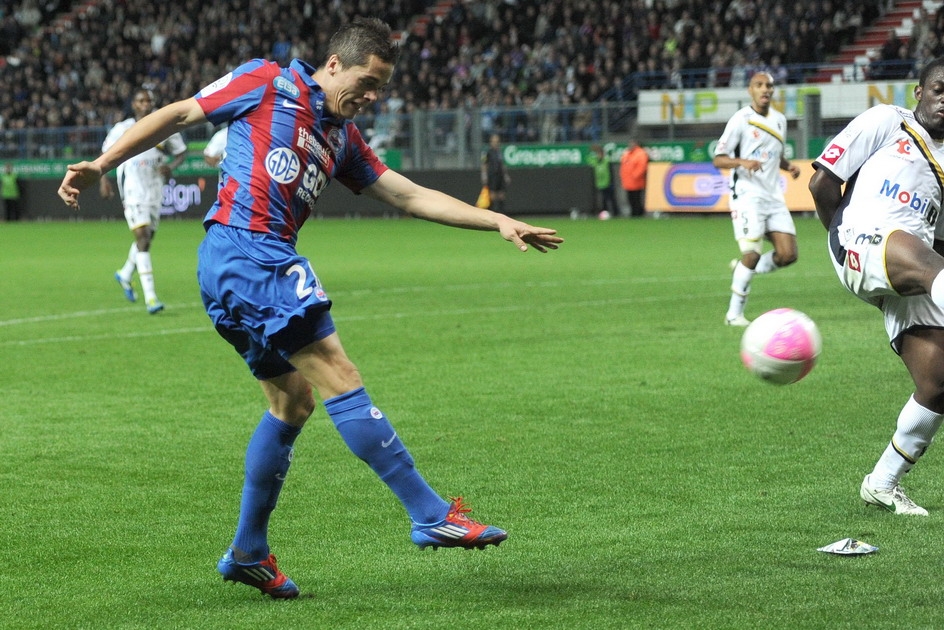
754 217
139 215
860 266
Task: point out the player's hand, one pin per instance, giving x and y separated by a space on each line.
78 177
794 171
522 235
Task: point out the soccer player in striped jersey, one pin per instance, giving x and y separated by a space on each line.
878 188
751 145
290 134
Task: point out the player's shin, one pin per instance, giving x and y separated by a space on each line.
916 428
268 458
370 436
146 275
740 289
127 270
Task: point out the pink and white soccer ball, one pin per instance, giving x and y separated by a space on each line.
781 346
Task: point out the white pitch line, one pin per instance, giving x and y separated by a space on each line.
84 338
38 319
381 316
376 317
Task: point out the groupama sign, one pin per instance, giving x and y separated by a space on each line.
544 155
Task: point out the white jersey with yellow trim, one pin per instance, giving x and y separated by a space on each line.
753 136
895 170
139 180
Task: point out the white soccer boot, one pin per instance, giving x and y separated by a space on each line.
739 321
894 500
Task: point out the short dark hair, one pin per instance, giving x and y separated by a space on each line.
357 40
931 67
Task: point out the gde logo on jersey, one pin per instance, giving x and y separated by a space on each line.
282 165
285 86
912 200
833 153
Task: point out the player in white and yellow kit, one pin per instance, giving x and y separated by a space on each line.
141 184
752 147
885 242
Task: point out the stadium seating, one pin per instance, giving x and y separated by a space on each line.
74 64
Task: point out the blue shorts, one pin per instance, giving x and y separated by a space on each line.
262 297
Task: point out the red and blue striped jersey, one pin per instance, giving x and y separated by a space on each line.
282 147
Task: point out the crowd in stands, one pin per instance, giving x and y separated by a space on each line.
488 54
901 58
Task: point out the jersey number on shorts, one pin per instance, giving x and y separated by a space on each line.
300 289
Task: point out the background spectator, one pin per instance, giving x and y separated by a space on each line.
603 179
10 192
634 166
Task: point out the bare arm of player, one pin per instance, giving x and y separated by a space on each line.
827 193
726 161
144 134
432 205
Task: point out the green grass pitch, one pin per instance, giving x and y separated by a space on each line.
590 401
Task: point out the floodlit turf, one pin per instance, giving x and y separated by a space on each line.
590 401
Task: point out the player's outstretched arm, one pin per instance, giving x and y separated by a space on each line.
144 134
433 205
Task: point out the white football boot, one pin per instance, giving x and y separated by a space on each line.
894 500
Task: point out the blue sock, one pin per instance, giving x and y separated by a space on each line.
268 457
371 437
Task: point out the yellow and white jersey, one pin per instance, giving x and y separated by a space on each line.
139 180
752 136
894 169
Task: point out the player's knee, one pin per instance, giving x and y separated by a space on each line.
296 408
750 259
306 407
751 249
347 375
299 410
143 243
782 259
929 393
343 377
